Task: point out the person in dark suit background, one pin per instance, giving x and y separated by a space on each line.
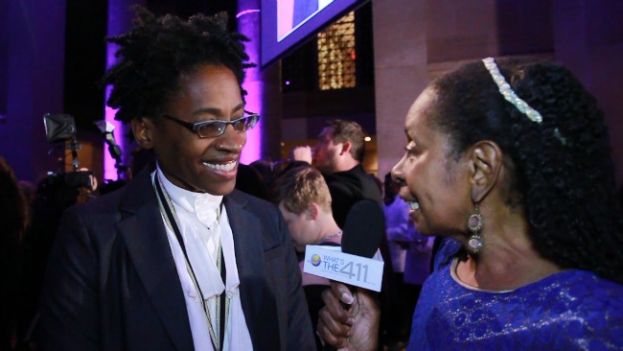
177 259
338 155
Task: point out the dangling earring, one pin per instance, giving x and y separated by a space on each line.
474 224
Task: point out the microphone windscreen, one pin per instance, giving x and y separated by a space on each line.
363 229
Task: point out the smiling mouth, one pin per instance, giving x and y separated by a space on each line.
410 199
414 205
222 167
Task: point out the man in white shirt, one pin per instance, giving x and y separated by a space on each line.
177 259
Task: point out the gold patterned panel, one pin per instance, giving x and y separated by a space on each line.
337 55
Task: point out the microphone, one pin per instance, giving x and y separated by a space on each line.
362 235
364 228
352 264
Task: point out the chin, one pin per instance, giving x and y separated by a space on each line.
222 189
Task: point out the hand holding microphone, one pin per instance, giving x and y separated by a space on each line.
350 318
355 328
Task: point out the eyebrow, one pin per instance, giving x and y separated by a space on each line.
215 111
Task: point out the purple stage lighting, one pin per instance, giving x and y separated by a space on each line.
116 24
248 19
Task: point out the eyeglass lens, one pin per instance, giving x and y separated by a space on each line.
216 128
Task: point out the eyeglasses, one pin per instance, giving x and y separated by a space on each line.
212 129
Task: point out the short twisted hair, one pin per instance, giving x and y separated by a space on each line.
563 172
157 51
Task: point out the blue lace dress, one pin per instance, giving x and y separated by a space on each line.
569 310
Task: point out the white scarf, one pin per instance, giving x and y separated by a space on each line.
203 231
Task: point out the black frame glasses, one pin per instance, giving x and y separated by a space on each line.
215 128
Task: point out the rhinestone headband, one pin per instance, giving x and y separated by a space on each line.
508 93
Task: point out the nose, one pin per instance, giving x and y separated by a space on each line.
232 140
397 172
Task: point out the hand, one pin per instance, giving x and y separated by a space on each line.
352 328
302 153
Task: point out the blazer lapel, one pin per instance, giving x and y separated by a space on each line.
145 237
258 301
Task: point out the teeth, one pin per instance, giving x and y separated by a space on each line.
226 167
414 205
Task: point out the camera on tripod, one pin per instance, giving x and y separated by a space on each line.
62 128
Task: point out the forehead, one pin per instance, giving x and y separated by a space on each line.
418 114
208 85
206 75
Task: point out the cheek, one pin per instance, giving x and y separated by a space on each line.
193 152
243 138
301 235
412 171
298 238
292 227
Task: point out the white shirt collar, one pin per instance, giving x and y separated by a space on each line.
204 206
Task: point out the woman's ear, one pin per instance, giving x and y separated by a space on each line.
143 130
485 165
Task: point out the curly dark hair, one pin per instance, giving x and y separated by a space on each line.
563 171
158 50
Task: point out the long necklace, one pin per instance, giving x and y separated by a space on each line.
216 329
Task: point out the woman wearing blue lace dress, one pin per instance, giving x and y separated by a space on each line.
510 163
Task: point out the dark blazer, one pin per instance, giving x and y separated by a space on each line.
111 282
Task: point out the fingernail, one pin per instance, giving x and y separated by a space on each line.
347 298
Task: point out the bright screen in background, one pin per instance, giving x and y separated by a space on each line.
285 23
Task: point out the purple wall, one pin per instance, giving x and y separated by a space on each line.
36 30
4 42
589 41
